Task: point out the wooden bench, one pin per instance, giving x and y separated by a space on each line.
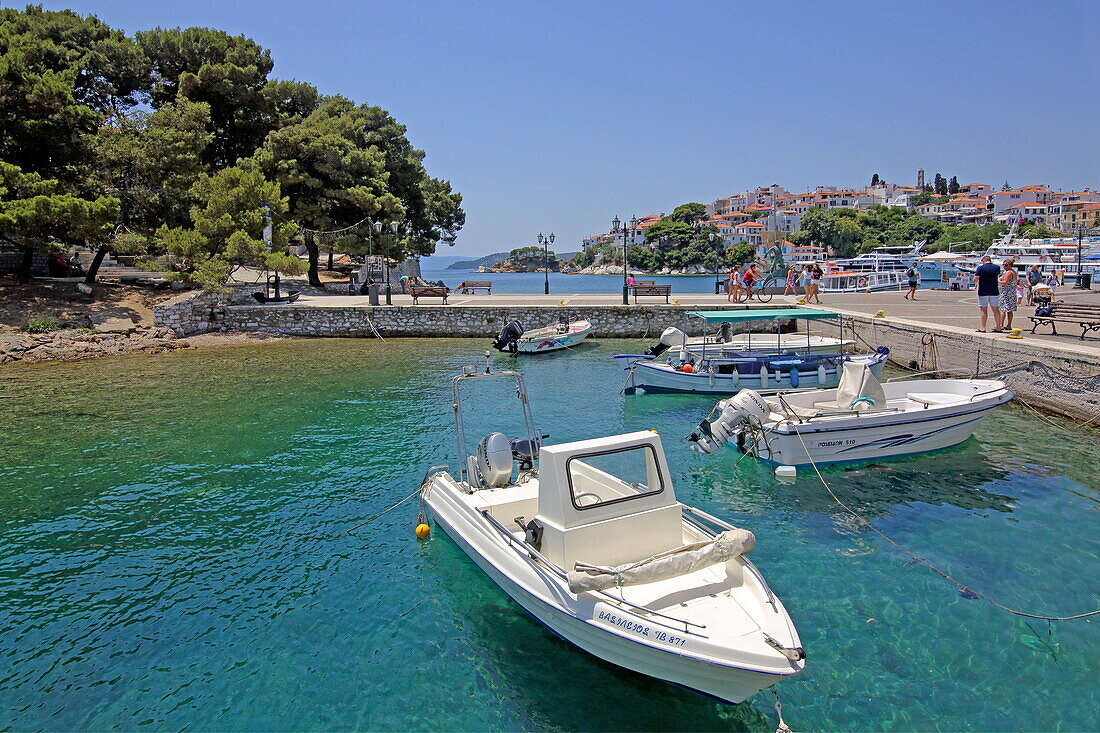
469 285
427 291
1084 315
650 288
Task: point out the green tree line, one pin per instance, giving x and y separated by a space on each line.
178 141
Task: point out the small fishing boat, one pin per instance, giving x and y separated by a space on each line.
751 342
561 335
862 419
713 369
589 538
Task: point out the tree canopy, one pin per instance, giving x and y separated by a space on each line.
136 133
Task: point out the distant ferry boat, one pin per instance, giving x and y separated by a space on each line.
851 281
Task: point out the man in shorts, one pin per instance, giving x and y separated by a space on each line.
988 291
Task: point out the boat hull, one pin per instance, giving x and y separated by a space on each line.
656 378
547 339
584 624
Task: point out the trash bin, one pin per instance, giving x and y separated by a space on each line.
1084 280
372 293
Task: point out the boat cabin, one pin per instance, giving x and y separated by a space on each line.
607 501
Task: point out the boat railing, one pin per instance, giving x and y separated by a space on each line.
968 374
995 390
534 554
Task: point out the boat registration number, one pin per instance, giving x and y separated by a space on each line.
642 629
834 443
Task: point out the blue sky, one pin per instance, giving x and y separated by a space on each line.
558 116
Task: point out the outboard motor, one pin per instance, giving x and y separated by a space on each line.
506 341
494 460
733 415
670 337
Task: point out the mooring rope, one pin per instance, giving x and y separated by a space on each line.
918 558
366 521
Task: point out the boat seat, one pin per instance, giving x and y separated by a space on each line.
932 399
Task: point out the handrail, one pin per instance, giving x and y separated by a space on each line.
536 555
1002 388
933 371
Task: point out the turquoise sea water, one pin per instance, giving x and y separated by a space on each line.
164 562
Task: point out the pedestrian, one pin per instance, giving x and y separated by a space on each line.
805 282
792 273
988 290
748 278
1009 300
914 281
630 280
815 282
731 284
1034 277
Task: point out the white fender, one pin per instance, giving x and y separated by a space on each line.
820 375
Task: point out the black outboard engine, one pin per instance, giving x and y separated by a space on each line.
669 337
506 341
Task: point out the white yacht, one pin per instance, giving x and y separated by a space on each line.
590 539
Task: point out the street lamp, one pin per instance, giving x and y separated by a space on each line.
395 227
545 242
616 225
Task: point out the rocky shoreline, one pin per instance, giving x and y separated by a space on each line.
618 270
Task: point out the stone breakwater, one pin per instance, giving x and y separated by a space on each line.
445 321
197 313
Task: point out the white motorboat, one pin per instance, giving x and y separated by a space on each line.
561 335
589 538
859 420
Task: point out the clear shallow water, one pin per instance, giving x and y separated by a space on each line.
161 564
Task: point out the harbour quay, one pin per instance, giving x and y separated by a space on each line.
935 333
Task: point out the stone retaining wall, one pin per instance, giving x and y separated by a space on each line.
448 321
923 347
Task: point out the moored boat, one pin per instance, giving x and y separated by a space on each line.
860 420
714 369
561 335
589 538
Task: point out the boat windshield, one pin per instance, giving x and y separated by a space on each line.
599 479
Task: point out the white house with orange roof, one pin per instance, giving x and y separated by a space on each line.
1004 200
976 189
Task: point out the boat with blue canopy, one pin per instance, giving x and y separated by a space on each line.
712 369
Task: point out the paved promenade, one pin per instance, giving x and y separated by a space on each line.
956 310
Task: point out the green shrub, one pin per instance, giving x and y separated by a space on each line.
41 324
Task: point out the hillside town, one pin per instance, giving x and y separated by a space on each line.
766 215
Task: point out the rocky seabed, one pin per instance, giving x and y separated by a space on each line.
79 344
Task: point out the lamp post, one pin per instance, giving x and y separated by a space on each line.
395 227
545 242
616 226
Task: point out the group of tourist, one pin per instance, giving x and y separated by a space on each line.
808 278
1002 289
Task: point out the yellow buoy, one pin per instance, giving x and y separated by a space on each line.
880 314
676 302
1017 333
422 531
801 301
561 302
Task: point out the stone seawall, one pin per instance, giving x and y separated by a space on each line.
1051 376
448 321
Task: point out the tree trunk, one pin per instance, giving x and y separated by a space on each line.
93 268
26 265
314 257
330 260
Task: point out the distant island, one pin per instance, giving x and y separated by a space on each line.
486 261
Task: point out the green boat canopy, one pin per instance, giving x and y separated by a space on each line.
762 314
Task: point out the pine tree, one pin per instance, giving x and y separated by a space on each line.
875 180
953 186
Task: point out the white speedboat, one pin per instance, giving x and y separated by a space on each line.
561 335
589 538
859 420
